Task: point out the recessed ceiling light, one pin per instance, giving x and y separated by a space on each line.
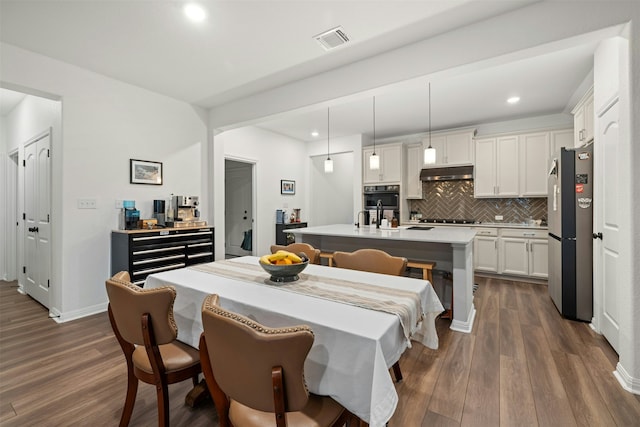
195 12
315 133
513 100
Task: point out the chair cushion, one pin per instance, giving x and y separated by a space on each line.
175 356
321 411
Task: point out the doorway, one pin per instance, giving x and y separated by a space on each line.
238 218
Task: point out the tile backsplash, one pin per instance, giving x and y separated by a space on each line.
454 199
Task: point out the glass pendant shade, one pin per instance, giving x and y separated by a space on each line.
430 156
328 165
374 162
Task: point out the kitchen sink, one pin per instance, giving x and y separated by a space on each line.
418 227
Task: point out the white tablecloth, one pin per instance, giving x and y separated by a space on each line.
353 347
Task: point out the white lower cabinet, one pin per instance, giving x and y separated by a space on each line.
510 251
485 250
524 253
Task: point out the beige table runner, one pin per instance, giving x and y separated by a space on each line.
404 304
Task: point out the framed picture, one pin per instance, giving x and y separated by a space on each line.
145 172
287 187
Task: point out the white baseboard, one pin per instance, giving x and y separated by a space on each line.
627 382
77 314
466 327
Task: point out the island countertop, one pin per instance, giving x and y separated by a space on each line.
452 235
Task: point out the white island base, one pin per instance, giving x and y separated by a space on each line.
448 247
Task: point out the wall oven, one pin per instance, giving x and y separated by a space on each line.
389 195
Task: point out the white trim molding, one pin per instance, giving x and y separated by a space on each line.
627 382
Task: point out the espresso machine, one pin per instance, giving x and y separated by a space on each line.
185 212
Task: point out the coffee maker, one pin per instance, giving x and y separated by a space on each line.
129 216
185 212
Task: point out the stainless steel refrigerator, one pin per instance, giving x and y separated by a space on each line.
570 207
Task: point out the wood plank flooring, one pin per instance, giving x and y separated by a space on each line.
523 365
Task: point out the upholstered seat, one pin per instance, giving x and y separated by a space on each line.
312 253
375 261
256 374
142 321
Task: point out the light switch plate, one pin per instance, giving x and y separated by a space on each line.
87 204
119 204
499 218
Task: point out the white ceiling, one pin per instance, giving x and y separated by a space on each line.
245 47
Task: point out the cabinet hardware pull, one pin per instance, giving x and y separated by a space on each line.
152 260
155 270
151 251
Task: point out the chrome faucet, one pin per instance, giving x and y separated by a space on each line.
378 213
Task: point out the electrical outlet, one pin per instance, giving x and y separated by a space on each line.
119 204
86 203
499 218
285 205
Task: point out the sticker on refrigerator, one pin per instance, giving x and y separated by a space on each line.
582 178
579 188
584 202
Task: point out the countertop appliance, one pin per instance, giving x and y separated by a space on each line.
570 207
185 212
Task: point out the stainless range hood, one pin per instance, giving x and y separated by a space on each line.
455 173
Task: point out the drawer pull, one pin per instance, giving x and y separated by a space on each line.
157 269
152 260
153 251
200 255
197 245
171 236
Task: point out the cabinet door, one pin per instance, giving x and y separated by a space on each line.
484 182
459 149
485 251
538 258
588 120
370 176
535 152
414 165
578 127
514 257
559 139
391 163
507 166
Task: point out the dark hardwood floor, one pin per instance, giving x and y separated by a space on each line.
523 365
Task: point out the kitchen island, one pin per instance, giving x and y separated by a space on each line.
450 247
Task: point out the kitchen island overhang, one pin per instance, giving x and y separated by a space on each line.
450 247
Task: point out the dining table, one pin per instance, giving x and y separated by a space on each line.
354 346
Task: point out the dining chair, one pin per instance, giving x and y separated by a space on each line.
256 373
375 261
143 323
312 253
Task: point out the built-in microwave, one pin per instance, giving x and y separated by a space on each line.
388 195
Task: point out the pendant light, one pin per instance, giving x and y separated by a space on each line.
429 152
374 159
328 164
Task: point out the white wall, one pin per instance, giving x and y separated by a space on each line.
276 157
331 198
4 232
104 124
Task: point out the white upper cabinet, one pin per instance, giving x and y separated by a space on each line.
413 185
515 165
534 149
559 139
390 164
496 168
583 118
452 148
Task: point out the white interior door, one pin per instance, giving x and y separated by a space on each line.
607 222
238 207
37 218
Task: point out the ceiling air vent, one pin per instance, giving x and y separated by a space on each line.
332 38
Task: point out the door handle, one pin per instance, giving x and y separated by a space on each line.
597 236
33 229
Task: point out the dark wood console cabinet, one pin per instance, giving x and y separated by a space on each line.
284 238
144 252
